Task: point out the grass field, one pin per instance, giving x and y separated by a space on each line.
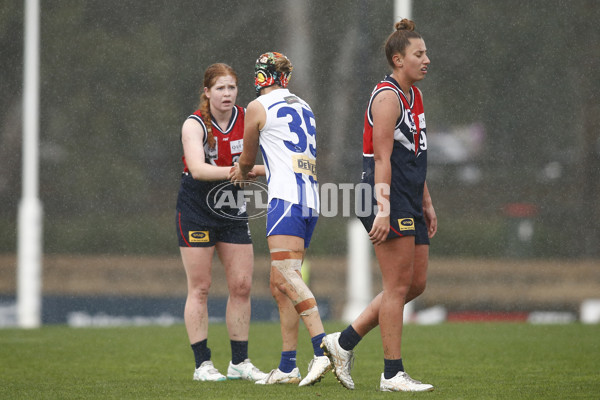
462 361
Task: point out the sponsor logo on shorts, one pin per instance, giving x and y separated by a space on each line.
198 237
406 224
305 165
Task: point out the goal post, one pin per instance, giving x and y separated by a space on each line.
29 247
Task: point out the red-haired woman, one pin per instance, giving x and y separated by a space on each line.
212 139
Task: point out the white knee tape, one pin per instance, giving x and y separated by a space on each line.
289 269
287 265
309 311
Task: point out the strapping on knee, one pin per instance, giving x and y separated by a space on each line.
286 254
290 268
306 307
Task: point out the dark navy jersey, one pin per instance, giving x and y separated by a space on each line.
215 203
409 154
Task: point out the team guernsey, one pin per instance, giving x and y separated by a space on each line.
214 203
289 149
229 142
408 159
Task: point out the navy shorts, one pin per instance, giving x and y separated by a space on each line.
193 234
284 218
402 224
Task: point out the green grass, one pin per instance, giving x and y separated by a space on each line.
462 360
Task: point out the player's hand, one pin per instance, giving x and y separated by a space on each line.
256 171
235 175
430 220
251 176
380 229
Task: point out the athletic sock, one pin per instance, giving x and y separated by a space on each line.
288 361
349 338
392 367
316 342
201 352
239 351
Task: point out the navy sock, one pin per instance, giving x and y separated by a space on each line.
349 338
288 361
201 352
239 351
316 342
392 367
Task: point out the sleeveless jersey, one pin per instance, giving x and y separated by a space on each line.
229 142
213 203
289 148
409 155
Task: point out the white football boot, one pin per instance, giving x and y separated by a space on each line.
403 383
341 359
207 372
278 376
317 367
245 370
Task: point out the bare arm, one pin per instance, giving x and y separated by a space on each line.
254 121
192 136
385 110
259 170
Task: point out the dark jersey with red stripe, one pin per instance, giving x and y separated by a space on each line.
228 142
409 155
210 203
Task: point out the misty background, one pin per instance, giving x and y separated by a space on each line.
511 101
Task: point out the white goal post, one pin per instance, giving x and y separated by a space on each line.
29 248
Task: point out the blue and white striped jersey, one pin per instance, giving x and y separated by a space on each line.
289 148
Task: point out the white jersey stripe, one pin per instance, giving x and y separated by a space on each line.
287 210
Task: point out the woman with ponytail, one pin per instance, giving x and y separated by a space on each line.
395 166
212 139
